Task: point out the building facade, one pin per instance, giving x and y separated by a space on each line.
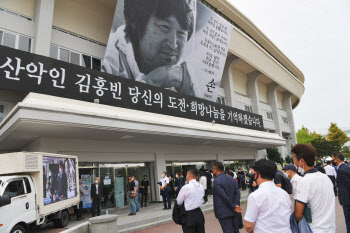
116 142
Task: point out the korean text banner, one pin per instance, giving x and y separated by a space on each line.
26 72
179 45
59 175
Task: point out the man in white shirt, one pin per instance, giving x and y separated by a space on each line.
315 189
269 207
165 191
192 194
331 173
291 172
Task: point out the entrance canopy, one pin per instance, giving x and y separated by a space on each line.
48 116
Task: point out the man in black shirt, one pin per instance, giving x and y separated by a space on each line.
320 168
279 180
144 190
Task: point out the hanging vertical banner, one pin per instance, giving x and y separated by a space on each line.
179 45
87 202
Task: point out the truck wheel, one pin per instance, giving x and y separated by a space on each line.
64 220
18 229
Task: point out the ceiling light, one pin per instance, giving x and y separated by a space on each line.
126 137
206 142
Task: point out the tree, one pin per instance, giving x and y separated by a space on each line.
305 136
346 151
289 160
335 134
274 155
324 147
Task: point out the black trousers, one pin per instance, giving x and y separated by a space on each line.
96 207
334 186
166 199
229 225
206 195
144 198
195 222
346 209
80 210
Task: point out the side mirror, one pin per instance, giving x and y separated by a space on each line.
5 200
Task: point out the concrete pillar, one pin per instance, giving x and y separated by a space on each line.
287 106
43 17
253 90
159 167
272 101
227 79
220 158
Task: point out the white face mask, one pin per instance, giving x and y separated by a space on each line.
177 176
163 175
250 172
301 170
96 181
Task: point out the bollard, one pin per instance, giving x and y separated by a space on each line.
104 223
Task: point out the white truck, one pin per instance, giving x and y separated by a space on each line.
37 188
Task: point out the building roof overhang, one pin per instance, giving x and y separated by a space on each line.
48 116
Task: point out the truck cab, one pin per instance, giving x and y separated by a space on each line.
17 203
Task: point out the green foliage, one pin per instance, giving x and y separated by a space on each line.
274 155
305 136
335 134
324 147
289 160
346 152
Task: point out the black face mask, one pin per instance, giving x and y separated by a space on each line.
334 163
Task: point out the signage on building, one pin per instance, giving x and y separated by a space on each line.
26 72
179 45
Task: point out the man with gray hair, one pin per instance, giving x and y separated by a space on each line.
192 195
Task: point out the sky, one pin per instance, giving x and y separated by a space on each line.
315 36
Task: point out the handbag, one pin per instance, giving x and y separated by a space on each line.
179 214
132 194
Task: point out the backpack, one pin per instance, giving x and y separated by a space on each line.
287 184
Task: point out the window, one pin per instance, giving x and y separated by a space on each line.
248 108
15 188
2 110
267 115
284 120
221 100
15 41
28 187
75 58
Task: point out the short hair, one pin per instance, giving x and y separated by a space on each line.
165 172
219 166
230 174
251 167
138 12
201 173
338 155
319 164
305 151
211 171
193 172
266 168
145 175
328 162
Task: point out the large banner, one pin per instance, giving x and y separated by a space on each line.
26 72
87 202
179 45
59 179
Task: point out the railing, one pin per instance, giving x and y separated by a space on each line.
14 13
242 30
79 36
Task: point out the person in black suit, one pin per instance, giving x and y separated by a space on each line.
226 199
320 168
343 177
96 197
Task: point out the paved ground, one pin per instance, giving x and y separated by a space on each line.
212 225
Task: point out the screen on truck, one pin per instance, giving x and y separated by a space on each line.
59 179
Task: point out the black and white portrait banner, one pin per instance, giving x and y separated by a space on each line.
26 72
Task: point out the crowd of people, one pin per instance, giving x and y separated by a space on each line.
269 207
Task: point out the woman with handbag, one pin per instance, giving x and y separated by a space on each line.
131 195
